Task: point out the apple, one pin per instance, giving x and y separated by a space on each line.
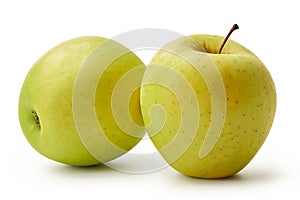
208 104
76 105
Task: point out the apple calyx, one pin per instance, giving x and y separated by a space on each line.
36 118
234 27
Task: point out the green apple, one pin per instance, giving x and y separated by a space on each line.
70 101
207 113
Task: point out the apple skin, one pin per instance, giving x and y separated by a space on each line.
250 104
45 103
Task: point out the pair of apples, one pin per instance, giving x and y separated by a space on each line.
206 108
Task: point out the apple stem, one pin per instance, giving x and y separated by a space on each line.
234 27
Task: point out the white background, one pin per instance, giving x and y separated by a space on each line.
269 28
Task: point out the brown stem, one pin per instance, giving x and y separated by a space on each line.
234 27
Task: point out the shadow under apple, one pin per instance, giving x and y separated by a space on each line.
95 171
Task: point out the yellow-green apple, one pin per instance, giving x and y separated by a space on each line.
71 96
207 109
